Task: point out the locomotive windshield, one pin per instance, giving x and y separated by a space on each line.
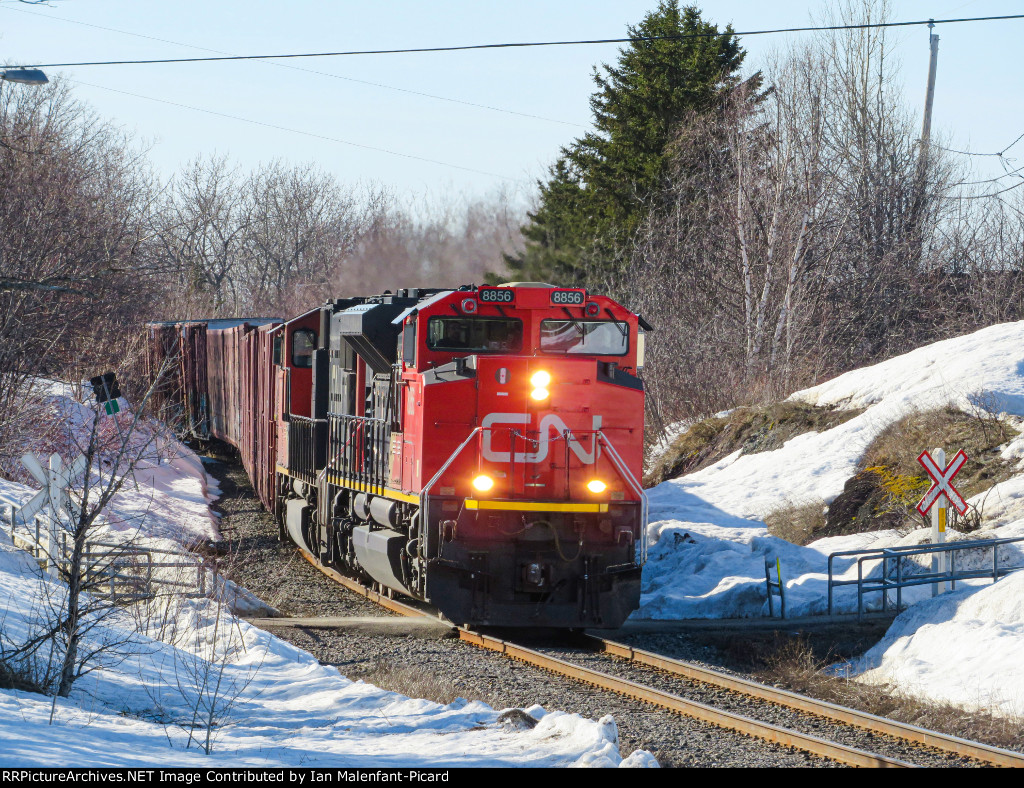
584 337
475 335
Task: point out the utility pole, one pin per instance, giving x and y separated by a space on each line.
926 129
926 134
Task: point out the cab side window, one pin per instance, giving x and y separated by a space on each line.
303 345
409 343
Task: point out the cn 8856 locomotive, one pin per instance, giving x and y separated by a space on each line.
479 449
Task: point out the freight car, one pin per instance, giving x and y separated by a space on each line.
477 448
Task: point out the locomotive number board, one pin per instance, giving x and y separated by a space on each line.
568 297
496 295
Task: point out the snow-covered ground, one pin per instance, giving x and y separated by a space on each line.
709 543
275 704
285 708
708 550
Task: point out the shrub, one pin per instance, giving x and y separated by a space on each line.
798 523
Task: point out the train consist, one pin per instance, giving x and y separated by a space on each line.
479 448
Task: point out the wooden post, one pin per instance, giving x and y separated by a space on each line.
926 126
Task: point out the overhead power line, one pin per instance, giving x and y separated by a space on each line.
998 153
1007 174
515 45
298 68
987 195
313 134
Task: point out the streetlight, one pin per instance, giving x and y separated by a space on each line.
24 76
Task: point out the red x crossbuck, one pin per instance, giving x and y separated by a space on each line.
942 482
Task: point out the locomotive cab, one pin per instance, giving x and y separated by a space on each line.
525 410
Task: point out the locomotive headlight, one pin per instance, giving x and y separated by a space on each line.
540 380
540 394
483 482
596 486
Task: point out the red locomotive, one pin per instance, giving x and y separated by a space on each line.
477 448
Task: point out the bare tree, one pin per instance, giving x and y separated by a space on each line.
799 235
302 226
206 674
75 632
73 194
436 241
199 233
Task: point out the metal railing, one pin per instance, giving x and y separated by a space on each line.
116 571
307 446
775 587
896 571
638 489
360 448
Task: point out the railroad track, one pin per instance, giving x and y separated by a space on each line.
783 736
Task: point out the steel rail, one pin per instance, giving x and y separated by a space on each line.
725 719
940 741
860 719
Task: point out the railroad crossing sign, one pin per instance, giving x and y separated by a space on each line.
55 481
942 482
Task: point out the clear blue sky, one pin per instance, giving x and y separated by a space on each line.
977 97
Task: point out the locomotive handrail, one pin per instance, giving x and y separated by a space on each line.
307 445
631 480
425 492
617 461
361 443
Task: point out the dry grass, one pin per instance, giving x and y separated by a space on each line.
415 683
794 665
897 447
14 677
747 429
799 523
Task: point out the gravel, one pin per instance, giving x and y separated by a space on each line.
254 557
277 574
782 716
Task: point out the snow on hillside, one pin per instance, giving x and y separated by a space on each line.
962 647
285 708
171 493
709 543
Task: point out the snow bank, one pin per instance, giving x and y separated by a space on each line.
169 492
285 708
962 648
709 541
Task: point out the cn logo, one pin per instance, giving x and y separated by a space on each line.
549 423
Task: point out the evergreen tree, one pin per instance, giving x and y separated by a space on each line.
598 189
